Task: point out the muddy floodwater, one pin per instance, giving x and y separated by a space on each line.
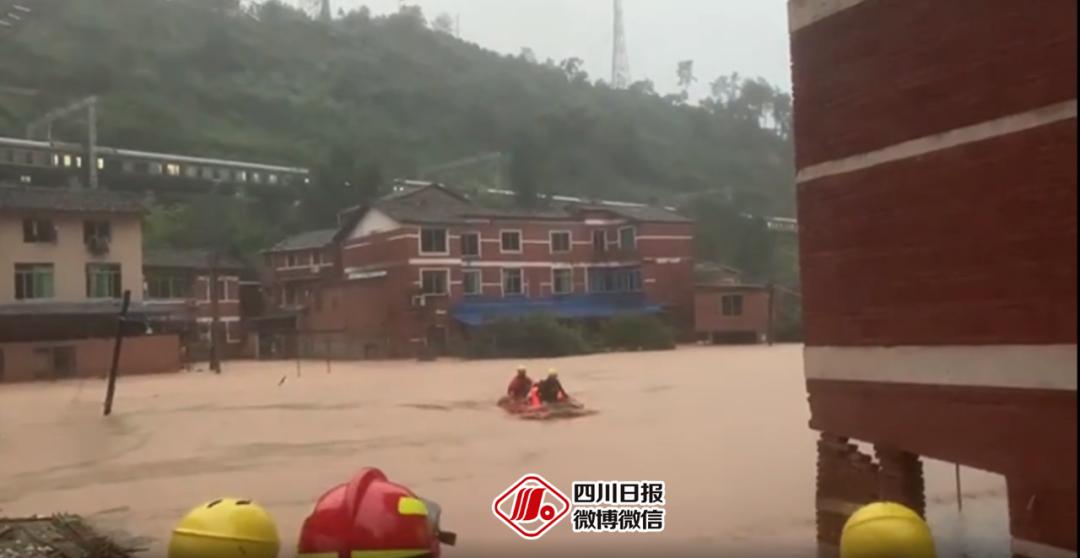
725 427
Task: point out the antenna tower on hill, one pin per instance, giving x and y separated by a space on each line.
620 60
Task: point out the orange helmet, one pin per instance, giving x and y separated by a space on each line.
372 515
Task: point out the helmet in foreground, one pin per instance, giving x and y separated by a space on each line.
225 528
370 514
886 530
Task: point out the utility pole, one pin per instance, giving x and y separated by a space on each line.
770 328
88 104
110 390
215 358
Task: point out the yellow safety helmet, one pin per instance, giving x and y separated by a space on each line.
886 530
225 528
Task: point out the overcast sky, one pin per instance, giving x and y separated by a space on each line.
721 36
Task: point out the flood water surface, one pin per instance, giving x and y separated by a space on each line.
725 428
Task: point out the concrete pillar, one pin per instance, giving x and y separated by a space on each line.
900 478
847 479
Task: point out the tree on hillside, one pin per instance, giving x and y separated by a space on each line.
643 87
528 55
572 69
444 23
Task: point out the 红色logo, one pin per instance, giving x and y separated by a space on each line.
531 506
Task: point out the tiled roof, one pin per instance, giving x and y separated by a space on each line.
437 204
433 204
189 259
306 240
41 198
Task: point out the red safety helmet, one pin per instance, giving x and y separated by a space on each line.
372 517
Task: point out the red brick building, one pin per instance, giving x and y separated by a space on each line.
178 280
298 264
936 155
421 265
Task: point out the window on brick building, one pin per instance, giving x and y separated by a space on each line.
731 305
510 241
562 281
232 332
513 282
599 241
471 281
433 241
627 238
168 287
560 242
435 281
204 331
470 245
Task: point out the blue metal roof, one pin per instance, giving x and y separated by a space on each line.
478 311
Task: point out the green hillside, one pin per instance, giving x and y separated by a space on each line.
364 99
269 83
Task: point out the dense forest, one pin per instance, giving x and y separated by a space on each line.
362 99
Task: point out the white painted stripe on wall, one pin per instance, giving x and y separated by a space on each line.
221 319
514 264
1031 549
945 140
662 237
1004 366
805 12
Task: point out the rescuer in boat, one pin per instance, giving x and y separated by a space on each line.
550 390
519 387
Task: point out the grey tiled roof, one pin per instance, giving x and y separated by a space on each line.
189 259
437 204
306 240
41 198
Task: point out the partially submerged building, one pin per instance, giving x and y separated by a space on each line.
413 271
66 257
179 281
936 154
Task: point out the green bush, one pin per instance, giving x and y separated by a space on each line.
537 336
637 333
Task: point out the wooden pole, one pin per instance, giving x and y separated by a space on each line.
770 327
215 358
959 491
110 391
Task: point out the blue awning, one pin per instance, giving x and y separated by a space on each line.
479 311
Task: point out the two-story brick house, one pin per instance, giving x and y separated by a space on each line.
298 263
66 257
421 265
180 279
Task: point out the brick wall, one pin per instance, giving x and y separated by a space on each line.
972 245
93 357
848 479
966 61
